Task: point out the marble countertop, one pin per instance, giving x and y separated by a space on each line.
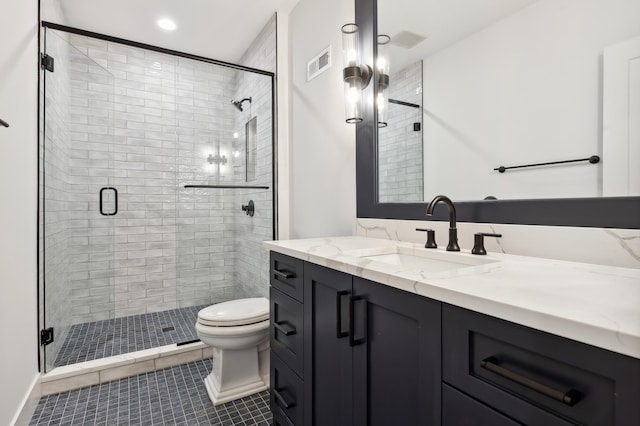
594 304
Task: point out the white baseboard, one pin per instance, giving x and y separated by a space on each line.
29 404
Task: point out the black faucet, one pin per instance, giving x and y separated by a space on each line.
453 231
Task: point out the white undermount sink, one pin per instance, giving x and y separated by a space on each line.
431 260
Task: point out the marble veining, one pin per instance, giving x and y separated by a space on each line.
612 247
590 303
626 243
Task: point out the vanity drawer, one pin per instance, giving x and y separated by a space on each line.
286 392
537 378
286 275
286 329
280 418
460 410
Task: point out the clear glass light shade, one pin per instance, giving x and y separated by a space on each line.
353 100
350 46
352 74
382 75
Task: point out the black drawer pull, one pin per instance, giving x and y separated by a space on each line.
570 397
339 333
284 328
285 275
281 399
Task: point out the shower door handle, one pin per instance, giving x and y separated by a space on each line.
115 191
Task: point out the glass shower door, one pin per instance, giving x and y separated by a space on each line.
79 203
226 168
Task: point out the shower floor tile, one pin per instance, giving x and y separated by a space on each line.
101 339
173 396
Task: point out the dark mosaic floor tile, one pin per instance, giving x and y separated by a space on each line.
100 339
175 396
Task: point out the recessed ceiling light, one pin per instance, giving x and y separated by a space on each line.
166 24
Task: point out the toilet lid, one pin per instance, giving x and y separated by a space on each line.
235 312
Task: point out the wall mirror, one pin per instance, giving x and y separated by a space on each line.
506 83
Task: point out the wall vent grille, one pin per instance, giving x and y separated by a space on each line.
319 64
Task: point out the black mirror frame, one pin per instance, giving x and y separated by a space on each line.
605 212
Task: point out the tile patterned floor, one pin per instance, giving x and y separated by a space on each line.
100 339
173 396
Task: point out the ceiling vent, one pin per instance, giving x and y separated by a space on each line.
319 64
407 39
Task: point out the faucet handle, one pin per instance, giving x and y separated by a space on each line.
478 242
431 237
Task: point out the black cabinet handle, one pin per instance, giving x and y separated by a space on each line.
352 323
3 123
339 333
285 275
281 399
284 328
570 397
107 188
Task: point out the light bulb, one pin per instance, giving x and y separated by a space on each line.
353 97
166 24
351 57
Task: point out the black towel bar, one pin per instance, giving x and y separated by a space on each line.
227 186
594 159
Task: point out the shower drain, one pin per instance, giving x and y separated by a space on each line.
165 329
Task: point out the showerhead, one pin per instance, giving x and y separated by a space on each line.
238 104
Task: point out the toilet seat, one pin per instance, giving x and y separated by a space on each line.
235 313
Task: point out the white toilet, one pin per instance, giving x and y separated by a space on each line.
238 331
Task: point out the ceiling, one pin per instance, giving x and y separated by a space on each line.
218 29
443 22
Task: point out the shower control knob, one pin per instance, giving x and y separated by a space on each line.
249 209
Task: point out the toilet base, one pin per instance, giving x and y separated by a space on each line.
234 374
220 397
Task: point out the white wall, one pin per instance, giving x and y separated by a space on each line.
18 185
52 11
323 188
524 90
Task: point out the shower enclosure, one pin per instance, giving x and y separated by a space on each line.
145 166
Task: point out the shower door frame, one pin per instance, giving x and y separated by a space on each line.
274 141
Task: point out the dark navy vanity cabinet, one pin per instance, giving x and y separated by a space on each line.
347 351
373 353
536 378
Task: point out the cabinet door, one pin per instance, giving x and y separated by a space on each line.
396 356
327 355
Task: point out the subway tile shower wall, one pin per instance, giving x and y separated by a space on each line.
252 268
148 134
400 147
